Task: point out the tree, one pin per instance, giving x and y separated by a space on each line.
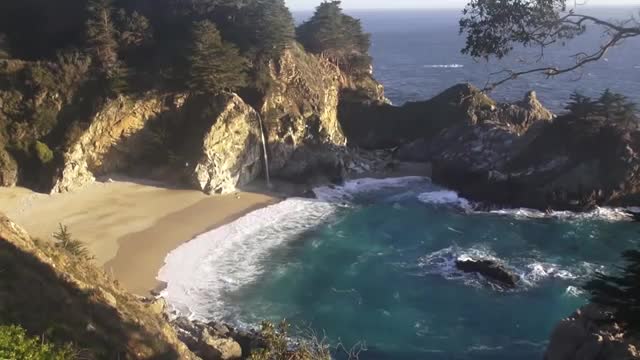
335 35
101 37
65 241
215 66
581 106
266 28
494 28
616 107
621 292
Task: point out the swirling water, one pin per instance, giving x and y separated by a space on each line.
373 261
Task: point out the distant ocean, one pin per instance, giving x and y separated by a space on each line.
416 55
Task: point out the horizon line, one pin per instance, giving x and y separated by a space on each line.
453 7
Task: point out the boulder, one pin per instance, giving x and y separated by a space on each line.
490 269
231 151
8 169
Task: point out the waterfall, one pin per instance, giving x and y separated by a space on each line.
264 151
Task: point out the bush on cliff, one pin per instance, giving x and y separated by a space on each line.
16 344
215 66
277 345
620 292
337 36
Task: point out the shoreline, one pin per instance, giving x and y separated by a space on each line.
130 225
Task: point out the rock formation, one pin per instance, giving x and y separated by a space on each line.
114 137
231 152
590 334
8 169
490 270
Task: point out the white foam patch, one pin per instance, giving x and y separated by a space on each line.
351 188
599 213
200 272
444 66
445 197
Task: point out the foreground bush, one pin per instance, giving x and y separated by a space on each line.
16 344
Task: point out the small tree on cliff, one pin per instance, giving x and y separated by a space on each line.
215 66
581 106
621 293
616 107
267 27
335 35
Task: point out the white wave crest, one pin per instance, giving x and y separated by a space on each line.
200 272
443 66
351 188
445 197
599 213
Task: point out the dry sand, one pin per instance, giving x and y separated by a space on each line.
129 226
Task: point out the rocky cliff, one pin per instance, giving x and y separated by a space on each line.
50 291
213 143
590 334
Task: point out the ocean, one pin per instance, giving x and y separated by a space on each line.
372 261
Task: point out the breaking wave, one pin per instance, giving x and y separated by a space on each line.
443 66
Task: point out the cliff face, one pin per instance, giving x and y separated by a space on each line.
115 136
590 334
49 291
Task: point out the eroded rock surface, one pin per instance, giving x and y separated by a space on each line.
590 334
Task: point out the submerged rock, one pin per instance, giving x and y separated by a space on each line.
490 269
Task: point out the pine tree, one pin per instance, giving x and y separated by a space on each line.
335 35
268 27
581 106
617 108
621 293
214 65
101 37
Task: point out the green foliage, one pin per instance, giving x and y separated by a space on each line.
493 28
335 35
581 106
215 66
16 344
620 292
277 345
42 152
66 242
267 26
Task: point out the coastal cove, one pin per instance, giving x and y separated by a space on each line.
372 261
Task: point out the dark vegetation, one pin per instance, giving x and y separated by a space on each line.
620 292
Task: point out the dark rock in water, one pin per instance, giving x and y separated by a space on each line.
490 269
634 215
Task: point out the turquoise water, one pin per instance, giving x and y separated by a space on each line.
372 262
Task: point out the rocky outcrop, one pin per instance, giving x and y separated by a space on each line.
591 334
72 301
300 113
216 341
231 148
490 270
115 136
375 125
8 169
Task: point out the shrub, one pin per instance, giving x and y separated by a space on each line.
66 242
16 344
42 151
278 346
621 292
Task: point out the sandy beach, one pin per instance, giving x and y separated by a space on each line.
127 225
